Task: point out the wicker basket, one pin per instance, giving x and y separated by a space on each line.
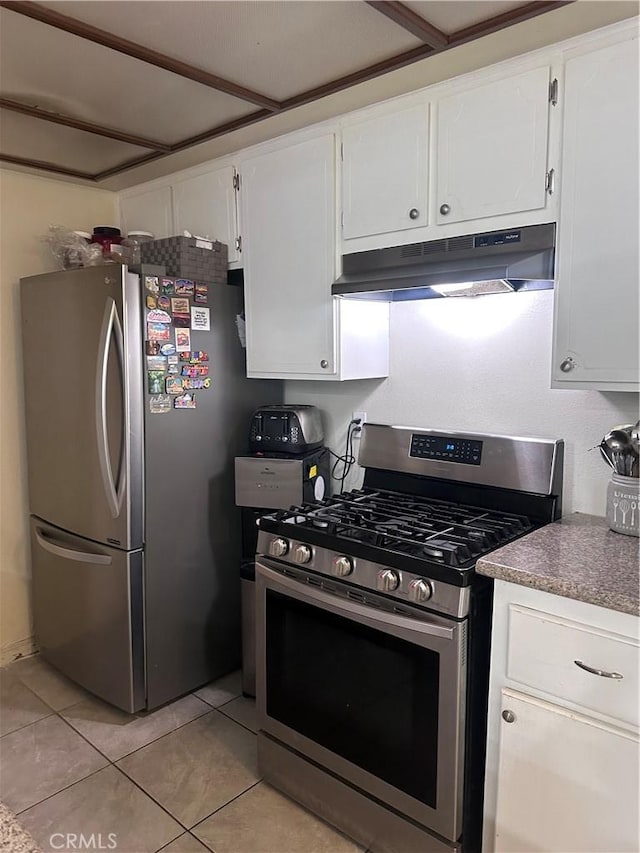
187 257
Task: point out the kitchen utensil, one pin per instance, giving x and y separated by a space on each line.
618 442
604 451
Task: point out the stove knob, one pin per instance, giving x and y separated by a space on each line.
302 554
388 580
420 590
278 547
342 566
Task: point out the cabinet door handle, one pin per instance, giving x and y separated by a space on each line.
414 213
324 363
444 209
603 673
567 365
508 716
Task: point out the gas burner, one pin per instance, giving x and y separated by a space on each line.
449 533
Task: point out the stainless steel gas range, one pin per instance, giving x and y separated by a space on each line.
373 632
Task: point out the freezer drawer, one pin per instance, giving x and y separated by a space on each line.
88 613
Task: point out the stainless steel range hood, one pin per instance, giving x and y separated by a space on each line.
491 262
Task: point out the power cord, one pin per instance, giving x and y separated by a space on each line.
347 460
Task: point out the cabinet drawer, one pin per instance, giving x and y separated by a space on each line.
543 650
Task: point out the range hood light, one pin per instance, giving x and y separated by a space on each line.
474 288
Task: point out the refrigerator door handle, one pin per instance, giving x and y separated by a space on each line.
111 328
70 553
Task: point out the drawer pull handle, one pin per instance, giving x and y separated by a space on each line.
600 672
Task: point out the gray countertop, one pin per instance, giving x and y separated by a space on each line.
577 557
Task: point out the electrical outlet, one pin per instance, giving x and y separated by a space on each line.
363 417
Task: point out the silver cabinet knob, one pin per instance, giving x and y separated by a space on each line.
444 209
302 554
508 716
387 580
567 365
278 547
324 363
342 566
420 590
414 213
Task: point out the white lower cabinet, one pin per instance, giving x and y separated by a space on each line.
597 296
295 328
566 782
563 747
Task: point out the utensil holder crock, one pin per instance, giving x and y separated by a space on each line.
623 504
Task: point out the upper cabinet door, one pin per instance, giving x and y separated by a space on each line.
491 156
384 173
288 217
148 211
596 334
206 206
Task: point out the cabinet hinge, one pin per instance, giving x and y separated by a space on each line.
553 92
550 182
238 244
236 180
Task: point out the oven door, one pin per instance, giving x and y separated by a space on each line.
375 697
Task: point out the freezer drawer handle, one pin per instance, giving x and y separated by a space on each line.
111 327
70 553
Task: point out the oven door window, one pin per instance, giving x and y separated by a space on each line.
367 696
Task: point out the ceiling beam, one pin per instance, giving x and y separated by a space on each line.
491 25
205 136
361 76
411 21
86 126
47 167
506 19
137 51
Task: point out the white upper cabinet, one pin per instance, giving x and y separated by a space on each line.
149 210
596 324
491 148
205 205
295 328
384 173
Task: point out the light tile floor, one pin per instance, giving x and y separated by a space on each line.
181 779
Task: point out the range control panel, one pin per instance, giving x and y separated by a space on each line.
446 449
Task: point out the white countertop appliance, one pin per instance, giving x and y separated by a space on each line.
373 632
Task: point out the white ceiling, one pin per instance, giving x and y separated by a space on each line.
275 48
278 49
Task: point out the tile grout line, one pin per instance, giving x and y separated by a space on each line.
26 725
138 748
55 794
220 808
233 720
133 781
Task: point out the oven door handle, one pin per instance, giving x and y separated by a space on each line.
344 607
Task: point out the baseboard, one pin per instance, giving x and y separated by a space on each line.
19 649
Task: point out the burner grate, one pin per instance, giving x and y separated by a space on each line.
442 531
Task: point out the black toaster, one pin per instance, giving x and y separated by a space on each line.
285 429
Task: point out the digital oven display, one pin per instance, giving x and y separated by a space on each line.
446 449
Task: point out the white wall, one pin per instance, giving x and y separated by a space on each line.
480 364
28 205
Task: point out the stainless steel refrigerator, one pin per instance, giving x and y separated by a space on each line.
135 536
